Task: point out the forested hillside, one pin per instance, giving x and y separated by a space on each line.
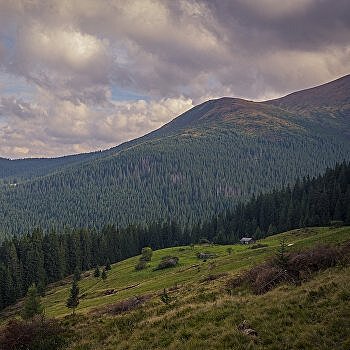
46 258
205 161
13 171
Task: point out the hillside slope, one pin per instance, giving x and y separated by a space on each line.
201 163
201 313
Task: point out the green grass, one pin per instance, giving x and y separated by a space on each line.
201 314
123 274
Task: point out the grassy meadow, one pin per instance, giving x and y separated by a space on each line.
128 282
201 314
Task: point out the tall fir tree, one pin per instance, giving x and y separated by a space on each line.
73 298
32 303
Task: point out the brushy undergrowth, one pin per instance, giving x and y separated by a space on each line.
35 334
295 268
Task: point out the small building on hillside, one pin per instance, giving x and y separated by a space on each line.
247 240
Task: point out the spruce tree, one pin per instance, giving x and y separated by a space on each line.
104 275
108 265
73 299
281 255
32 304
97 272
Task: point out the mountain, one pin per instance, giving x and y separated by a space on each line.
46 258
203 162
18 169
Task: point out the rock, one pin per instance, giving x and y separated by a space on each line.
251 332
246 329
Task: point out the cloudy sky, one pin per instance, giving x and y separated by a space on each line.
81 75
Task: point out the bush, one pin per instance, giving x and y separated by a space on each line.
146 254
167 261
141 265
38 334
296 267
123 306
165 298
206 255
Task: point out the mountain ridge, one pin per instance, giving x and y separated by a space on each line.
203 162
341 83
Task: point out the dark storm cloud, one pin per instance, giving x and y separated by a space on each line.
308 25
73 55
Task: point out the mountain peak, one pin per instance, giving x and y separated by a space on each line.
334 93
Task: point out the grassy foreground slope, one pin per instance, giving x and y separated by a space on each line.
202 315
127 282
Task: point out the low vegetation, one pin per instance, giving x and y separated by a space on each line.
189 307
35 334
167 261
295 267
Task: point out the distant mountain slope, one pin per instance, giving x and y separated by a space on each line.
204 161
332 94
31 167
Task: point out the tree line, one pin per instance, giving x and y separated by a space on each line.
43 258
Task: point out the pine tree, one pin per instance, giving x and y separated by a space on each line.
73 299
281 255
32 304
104 275
108 265
97 272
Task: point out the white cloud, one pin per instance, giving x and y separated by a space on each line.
60 62
69 128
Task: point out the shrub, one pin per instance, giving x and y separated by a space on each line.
167 261
302 264
165 298
206 255
292 267
38 334
146 254
123 306
141 265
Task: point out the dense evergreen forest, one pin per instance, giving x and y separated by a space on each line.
205 161
13 171
43 258
184 177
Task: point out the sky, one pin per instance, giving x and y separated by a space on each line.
84 75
